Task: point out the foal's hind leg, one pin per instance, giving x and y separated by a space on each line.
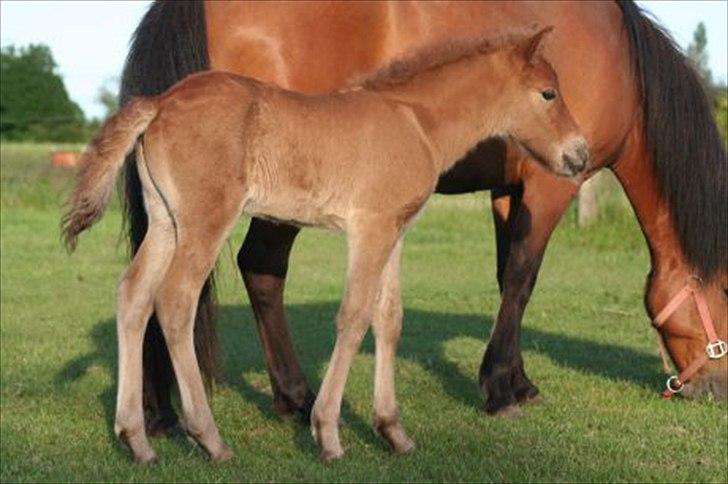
387 325
176 305
135 300
370 245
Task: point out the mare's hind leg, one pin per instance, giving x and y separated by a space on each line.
387 325
135 301
370 245
263 263
176 305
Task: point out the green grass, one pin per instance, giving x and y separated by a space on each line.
587 344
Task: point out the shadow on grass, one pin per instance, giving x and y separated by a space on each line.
423 337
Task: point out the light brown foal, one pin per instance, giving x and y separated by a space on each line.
362 161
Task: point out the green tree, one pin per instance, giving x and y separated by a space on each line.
34 103
699 55
108 97
721 111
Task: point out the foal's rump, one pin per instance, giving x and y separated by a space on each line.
180 127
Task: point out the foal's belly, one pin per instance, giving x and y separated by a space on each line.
295 208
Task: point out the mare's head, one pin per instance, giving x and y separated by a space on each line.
536 116
692 319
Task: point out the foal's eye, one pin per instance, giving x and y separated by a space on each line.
549 94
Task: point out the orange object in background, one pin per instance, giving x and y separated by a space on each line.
65 158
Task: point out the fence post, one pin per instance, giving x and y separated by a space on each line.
587 208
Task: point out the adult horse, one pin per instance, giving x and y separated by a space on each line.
638 101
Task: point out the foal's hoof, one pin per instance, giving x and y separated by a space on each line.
394 434
331 455
146 458
404 447
139 447
223 455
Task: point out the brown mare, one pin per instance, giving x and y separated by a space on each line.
639 103
362 161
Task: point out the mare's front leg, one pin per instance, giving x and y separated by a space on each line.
505 202
545 198
263 263
371 242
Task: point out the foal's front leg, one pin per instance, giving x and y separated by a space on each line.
370 245
387 325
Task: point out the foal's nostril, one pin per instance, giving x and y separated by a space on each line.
574 165
583 153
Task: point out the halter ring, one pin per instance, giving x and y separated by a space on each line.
716 349
694 279
678 384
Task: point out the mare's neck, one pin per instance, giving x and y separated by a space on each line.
457 105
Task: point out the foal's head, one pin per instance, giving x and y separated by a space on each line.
537 118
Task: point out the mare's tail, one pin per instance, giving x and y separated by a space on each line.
101 164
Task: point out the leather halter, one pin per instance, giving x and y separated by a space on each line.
716 348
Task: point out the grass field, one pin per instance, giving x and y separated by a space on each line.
587 344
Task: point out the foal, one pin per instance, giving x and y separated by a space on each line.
363 161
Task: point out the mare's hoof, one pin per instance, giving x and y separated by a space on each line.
284 407
534 400
509 411
528 394
163 427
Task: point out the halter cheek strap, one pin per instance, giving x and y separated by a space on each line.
716 347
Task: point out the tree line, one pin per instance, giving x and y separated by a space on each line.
35 105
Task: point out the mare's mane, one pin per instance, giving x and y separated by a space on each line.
436 55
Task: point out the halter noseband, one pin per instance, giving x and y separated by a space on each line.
716 348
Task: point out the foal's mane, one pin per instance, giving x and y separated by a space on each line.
436 55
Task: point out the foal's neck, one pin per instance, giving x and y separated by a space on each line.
458 105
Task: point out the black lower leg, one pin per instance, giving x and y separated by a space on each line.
501 373
505 202
159 415
263 263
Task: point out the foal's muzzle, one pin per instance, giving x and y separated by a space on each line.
576 158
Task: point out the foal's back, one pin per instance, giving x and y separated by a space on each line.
308 159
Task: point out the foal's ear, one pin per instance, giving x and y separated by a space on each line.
531 47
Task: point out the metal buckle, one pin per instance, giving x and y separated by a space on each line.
678 387
694 281
716 349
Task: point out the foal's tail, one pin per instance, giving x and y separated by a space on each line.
101 164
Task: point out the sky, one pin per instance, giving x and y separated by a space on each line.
89 39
